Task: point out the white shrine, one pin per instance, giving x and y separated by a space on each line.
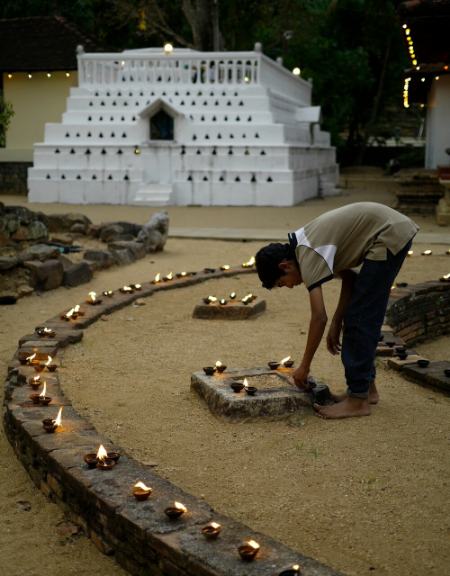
160 126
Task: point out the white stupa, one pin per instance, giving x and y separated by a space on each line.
174 126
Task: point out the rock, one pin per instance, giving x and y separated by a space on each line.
110 232
136 248
118 231
46 275
35 230
123 257
79 228
159 222
24 290
139 302
65 239
38 252
100 258
64 222
153 240
78 274
8 262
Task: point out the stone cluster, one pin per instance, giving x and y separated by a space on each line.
35 248
139 534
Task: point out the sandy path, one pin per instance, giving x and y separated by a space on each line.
313 485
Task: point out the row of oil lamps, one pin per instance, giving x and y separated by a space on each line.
427 252
237 385
247 299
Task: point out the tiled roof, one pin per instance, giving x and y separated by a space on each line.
40 43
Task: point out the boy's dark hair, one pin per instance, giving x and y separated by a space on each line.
267 260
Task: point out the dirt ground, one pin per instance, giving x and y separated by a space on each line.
366 495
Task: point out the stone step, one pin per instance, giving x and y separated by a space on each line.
153 195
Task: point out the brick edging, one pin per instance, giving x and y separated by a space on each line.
143 540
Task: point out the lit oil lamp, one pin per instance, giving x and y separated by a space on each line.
92 299
210 300
157 279
136 286
427 253
250 390
50 365
45 332
69 315
126 290
107 293
232 295
35 381
51 425
225 267
35 397
273 365
101 459
236 386
141 491
249 263
181 274
222 302
175 511
293 570
410 252
209 370
220 367
249 550
77 310
168 277
30 360
43 398
211 530
286 362
445 278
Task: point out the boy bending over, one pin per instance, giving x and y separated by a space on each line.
366 234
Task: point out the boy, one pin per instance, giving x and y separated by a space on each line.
365 233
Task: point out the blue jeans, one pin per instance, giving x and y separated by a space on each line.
364 318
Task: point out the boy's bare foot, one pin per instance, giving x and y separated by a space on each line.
373 395
348 408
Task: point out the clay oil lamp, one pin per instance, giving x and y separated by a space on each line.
402 355
136 286
107 293
104 462
51 425
447 372
225 267
78 311
35 398
212 530
220 367
209 370
141 491
181 274
126 290
69 315
50 365
427 253
250 263
445 278
293 570
422 363
209 270
390 343
45 332
35 381
248 550
222 302
157 279
247 299
410 252
286 362
273 365
168 277
175 511
210 300
233 296
92 299
236 386
30 360
250 390
38 366
44 400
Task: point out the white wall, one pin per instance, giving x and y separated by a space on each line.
438 124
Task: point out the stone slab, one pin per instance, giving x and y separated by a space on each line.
233 310
275 396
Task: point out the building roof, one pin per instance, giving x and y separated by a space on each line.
40 43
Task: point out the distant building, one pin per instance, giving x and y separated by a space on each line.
426 27
174 126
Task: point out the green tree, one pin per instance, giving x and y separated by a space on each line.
6 114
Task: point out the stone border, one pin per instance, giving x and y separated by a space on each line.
143 540
417 313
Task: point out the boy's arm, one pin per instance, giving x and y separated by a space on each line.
333 338
317 325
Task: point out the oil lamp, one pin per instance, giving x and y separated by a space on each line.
445 278
427 253
51 425
43 331
141 491
209 270
410 252
127 290
225 267
30 360
210 300
157 279
236 386
222 302
287 362
43 398
51 367
249 263
209 370
35 381
92 299
175 511
108 293
251 390
103 461
181 274
232 295
248 550
273 365
211 530
422 363
220 367
293 570
168 277
136 286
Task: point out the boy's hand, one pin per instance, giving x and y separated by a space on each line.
333 337
300 377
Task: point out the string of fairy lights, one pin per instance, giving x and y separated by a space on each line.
29 75
414 62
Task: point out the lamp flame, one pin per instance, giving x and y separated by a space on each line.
44 391
157 278
253 544
102 453
47 330
183 274
212 298
70 313
225 267
93 296
76 309
249 263
285 360
58 418
30 359
49 360
427 252
169 276
141 485
245 383
214 525
218 364
36 378
180 506
233 295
